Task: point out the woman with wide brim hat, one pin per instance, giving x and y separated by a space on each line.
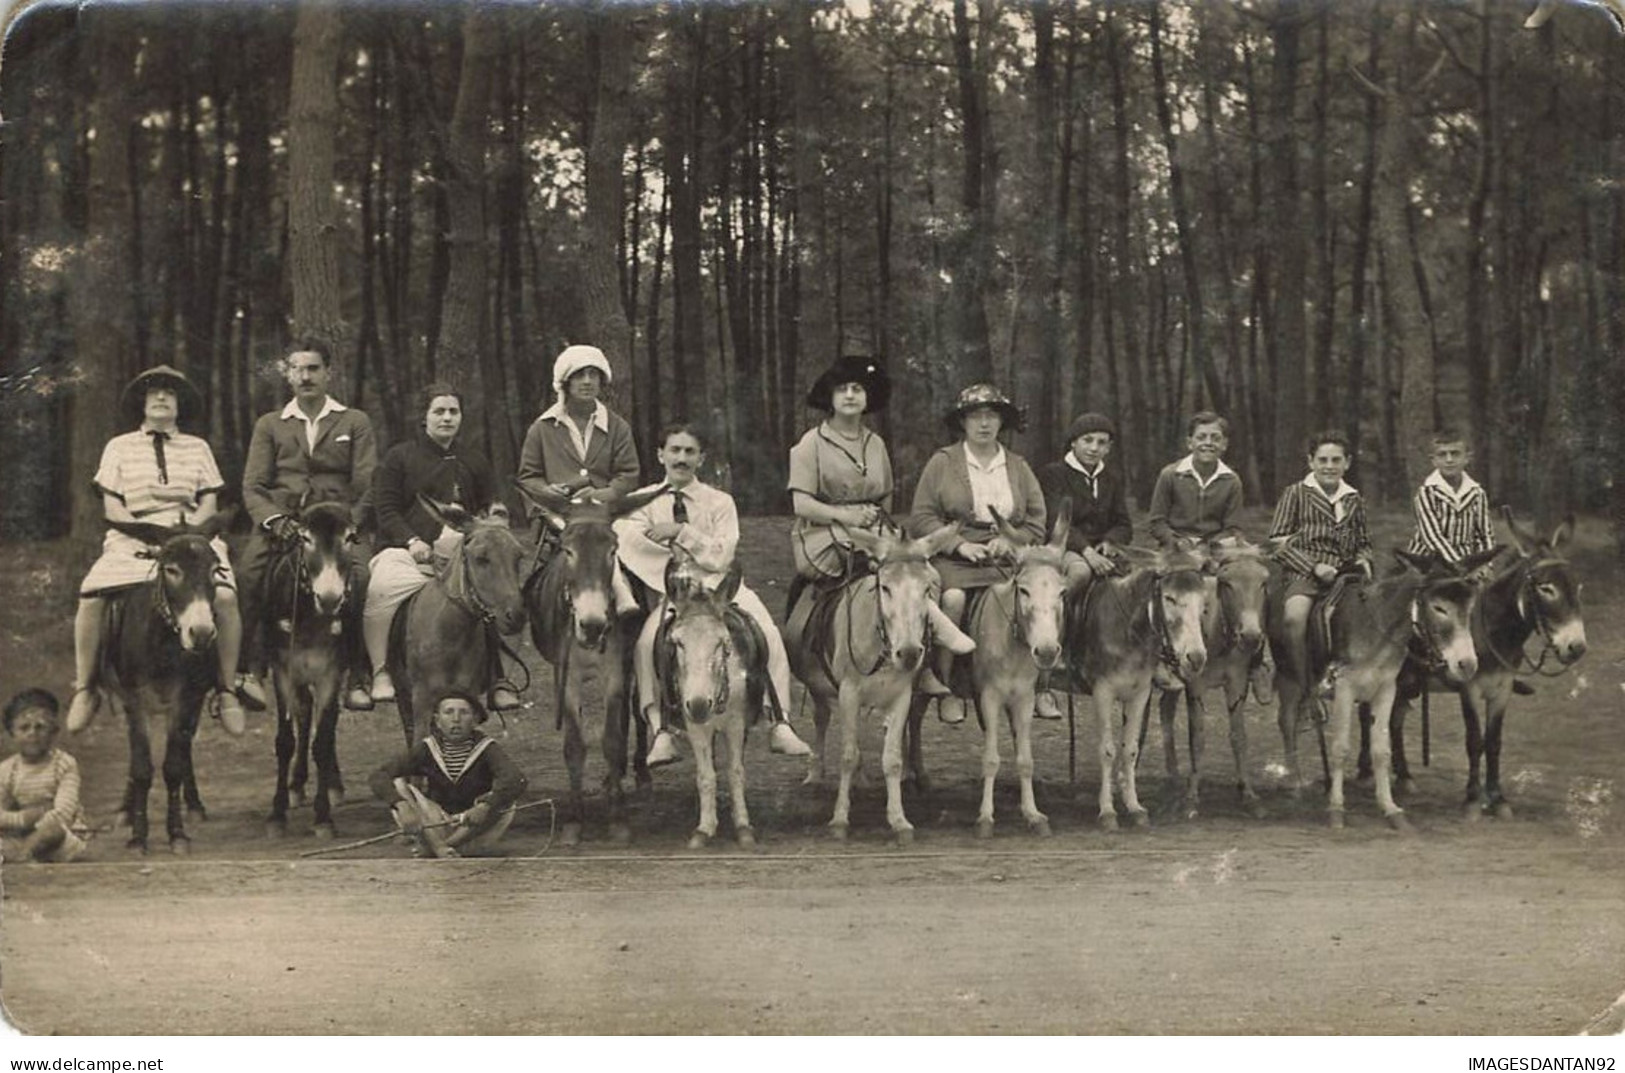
965 482
840 470
156 475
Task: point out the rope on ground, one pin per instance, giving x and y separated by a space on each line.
387 835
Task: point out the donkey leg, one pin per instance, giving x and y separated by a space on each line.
702 739
1339 731
140 778
891 764
735 730
1105 715
1382 707
276 824
1196 728
177 765
914 745
1396 742
1137 708
301 755
1234 703
848 703
613 744
1362 767
991 704
1493 797
1473 806
327 763
1168 709
1021 723
1289 698
816 766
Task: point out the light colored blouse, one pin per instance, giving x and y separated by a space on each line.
838 471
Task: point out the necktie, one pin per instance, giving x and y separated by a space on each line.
679 508
158 439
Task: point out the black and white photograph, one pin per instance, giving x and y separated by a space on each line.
817 518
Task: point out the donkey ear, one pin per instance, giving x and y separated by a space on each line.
619 508
1470 564
728 588
1420 564
935 543
871 544
1522 539
1140 558
1005 529
1562 534
450 515
217 523
1063 524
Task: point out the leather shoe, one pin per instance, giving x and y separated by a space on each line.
82 710
502 699
250 692
358 699
951 710
229 710
1045 707
663 750
928 684
782 739
383 687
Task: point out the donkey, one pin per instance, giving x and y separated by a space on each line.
1372 626
704 653
1119 631
1232 632
1018 626
159 660
1532 594
444 633
865 653
307 587
570 602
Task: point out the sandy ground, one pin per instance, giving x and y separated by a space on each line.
1221 924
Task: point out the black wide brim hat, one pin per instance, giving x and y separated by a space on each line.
851 369
189 401
980 396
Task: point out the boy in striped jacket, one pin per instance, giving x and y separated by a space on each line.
1452 510
1325 517
40 816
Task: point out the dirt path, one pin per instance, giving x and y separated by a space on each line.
1368 938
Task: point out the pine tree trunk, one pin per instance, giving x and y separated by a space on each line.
314 219
607 324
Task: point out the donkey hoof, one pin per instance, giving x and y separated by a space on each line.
197 814
1400 822
1108 821
1336 818
1140 818
905 836
984 829
838 831
746 838
323 832
570 834
180 846
699 840
620 834
1503 810
275 829
1472 812
1040 827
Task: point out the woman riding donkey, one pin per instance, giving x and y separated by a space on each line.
155 475
840 483
703 522
578 449
965 483
432 466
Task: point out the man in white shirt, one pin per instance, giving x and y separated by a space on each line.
704 522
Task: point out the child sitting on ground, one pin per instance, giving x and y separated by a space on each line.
39 785
470 784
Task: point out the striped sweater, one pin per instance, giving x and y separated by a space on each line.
1327 529
51 784
1451 523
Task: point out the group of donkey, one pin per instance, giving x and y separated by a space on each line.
1201 614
